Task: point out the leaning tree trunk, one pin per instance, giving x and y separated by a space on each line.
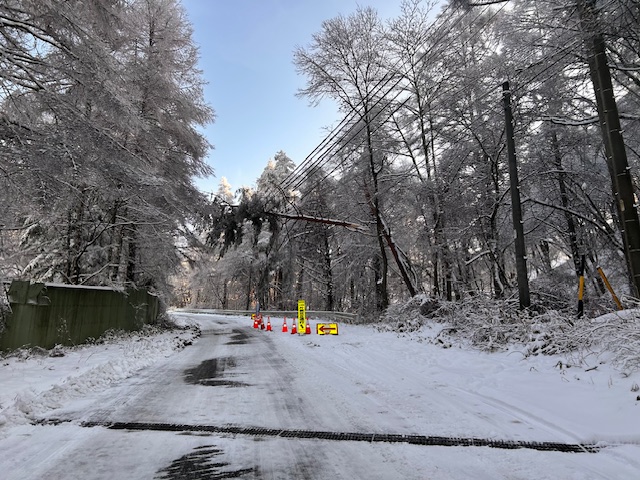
622 183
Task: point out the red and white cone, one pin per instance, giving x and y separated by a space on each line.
307 329
255 322
294 328
269 325
284 326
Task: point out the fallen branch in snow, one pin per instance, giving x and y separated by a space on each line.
327 221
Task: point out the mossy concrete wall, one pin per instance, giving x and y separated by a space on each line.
46 315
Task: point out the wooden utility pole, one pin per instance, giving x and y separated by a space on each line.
612 136
516 206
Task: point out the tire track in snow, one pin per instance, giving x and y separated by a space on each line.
518 413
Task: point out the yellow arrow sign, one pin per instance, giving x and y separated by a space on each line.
327 328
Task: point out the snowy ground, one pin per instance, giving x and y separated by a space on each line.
361 381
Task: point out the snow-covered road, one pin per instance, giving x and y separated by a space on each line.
236 403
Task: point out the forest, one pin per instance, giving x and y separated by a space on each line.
99 145
488 152
411 194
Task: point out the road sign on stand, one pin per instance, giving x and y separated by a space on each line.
301 317
327 329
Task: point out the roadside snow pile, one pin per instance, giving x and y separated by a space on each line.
31 378
492 325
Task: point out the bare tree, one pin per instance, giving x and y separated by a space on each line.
101 102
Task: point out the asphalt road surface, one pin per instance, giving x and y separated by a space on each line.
234 405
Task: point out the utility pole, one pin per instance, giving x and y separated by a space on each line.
516 206
622 183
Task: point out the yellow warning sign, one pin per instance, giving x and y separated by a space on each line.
327 328
302 315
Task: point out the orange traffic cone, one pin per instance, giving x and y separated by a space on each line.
269 325
255 322
307 329
294 328
284 326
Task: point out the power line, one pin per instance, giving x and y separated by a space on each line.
322 149
340 139
323 161
326 158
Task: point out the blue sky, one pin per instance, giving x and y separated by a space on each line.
246 55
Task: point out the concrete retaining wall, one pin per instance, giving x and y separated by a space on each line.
49 314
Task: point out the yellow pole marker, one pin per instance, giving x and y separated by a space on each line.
610 288
301 317
581 288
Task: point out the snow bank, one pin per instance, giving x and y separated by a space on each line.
491 325
37 381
